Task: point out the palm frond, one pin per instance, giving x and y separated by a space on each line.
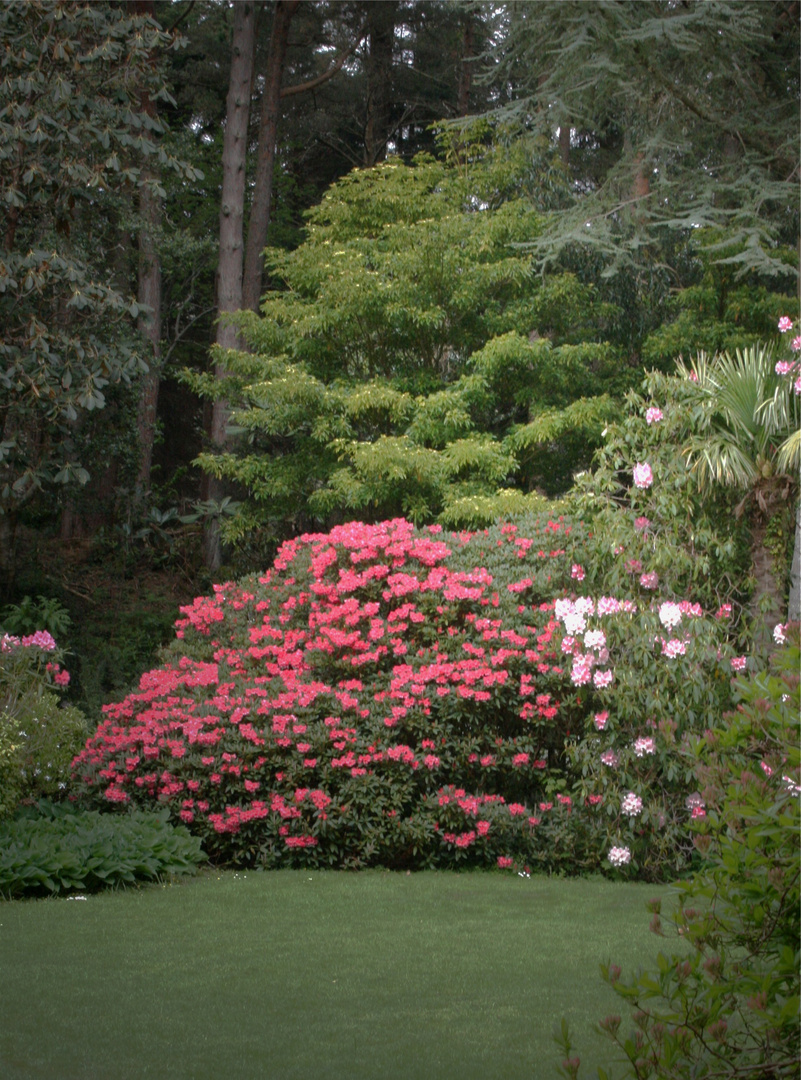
788 457
719 458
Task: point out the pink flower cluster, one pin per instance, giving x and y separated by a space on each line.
619 856
790 367
643 475
347 662
42 639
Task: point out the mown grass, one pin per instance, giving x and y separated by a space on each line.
289 975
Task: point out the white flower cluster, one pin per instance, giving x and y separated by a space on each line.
619 856
644 746
669 615
631 805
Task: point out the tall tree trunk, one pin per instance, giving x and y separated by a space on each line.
148 296
230 260
8 552
466 66
149 324
564 143
381 17
265 161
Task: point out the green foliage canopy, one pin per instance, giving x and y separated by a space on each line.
411 362
74 133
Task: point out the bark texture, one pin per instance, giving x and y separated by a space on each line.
381 16
265 162
794 605
149 324
149 297
231 255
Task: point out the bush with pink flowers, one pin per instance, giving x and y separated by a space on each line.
39 734
409 698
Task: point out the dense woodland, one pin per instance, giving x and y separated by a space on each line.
456 234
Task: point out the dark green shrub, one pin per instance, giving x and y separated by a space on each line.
54 849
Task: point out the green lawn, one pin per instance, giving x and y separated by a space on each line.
301 974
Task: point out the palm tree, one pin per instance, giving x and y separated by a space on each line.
747 437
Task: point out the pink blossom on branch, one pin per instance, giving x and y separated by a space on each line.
643 475
631 805
785 324
673 648
42 639
669 614
654 415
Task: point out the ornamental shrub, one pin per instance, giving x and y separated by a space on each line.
39 736
727 1003
650 532
410 698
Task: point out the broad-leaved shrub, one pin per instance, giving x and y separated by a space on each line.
39 736
726 1002
388 696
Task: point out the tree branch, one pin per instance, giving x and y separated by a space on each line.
312 84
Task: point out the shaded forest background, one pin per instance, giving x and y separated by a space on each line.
482 222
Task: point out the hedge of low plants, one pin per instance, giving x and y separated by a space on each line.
51 848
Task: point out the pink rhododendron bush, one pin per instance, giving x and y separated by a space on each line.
411 698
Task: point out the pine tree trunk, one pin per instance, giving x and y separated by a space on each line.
149 296
466 67
149 323
8 552
231 255
381 16
265 162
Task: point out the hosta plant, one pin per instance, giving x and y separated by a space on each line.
53 849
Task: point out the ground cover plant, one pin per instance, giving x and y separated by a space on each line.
301 973
53 849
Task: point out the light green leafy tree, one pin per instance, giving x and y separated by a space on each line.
407 361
